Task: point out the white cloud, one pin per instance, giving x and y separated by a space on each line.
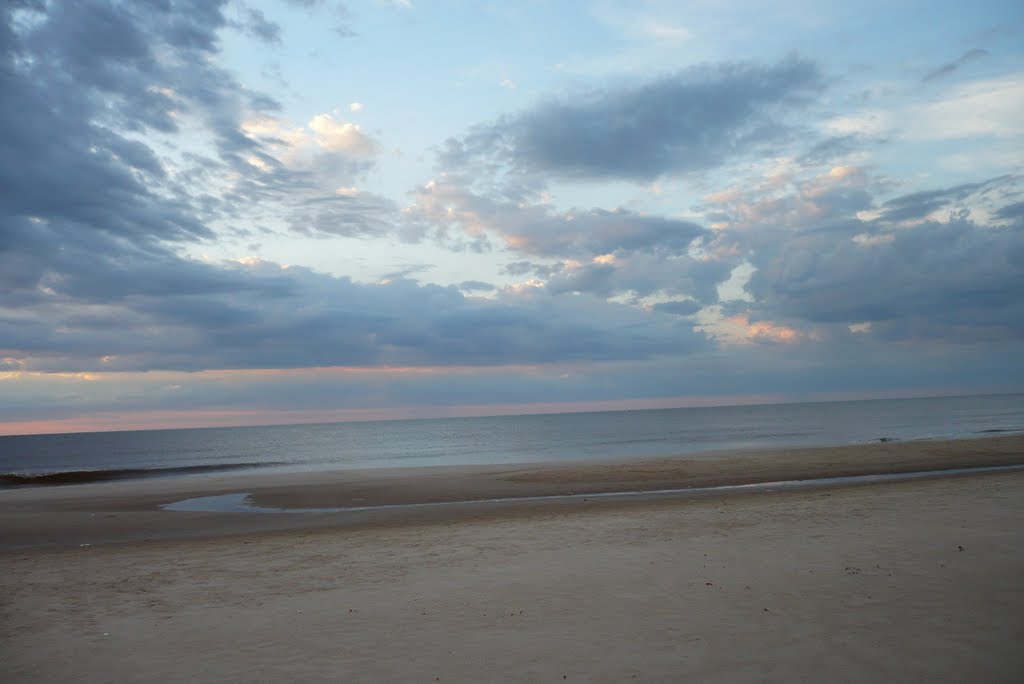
661 30
983 108
295 146
870 240
341 136
273 129
868 122
356 107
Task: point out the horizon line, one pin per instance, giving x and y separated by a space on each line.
193 419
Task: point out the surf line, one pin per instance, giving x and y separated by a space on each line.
240 502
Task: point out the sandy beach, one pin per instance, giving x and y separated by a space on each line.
901 581
393 341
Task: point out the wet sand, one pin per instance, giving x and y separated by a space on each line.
905 581
122 511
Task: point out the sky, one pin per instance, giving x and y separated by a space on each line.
241 212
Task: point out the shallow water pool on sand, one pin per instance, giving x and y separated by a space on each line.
239 502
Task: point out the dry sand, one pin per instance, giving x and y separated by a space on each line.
908 581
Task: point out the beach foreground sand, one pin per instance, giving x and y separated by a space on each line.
905 581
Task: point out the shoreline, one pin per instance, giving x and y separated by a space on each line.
127 511
18 478
914 581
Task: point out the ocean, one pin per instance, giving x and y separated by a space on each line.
97 456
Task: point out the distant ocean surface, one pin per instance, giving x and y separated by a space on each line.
83 457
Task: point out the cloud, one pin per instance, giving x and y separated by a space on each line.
988 108
833 259
950 67
94 206
766 209
937 281
256 24
341 136
660 30
596 232
97 118
492 190
344 215
476 286
338 150
683 307
91 222
156 311
770 372
303 178
638 277
833 147
539 230
694 120
1011 212
919 205
126 146
343 22
596 251
905 274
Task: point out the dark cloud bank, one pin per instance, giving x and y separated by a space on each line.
689 121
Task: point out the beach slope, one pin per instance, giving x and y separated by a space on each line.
903 581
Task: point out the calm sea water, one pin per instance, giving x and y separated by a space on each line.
505 439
